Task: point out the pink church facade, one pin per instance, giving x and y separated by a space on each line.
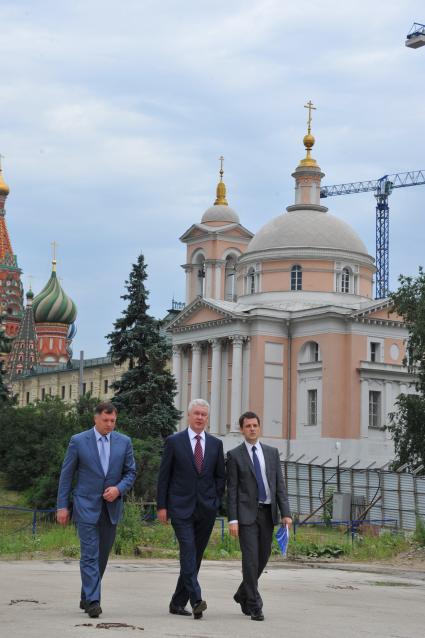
284 323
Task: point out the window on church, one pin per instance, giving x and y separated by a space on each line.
312 407
43 393
84 388
63 392
105 386
251 281
27 399
70 391
345 280
375 351
374 409
200 275
296 277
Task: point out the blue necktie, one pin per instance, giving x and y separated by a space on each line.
103 456
257 469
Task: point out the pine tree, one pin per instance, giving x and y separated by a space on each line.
144 394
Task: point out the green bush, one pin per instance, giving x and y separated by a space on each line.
419 535
129 530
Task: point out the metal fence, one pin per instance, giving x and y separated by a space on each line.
384 494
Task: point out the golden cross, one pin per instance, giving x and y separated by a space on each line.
54 246
310 108
221 158
30 278
1 157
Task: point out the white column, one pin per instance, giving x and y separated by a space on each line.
215 386
188 270
177 372
224 390
208 279
236 397
245 375
217 292
364 408
196 371
185 388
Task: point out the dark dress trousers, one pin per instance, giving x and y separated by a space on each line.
192 500
96 519
256 522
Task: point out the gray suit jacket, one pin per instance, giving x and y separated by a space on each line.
242 489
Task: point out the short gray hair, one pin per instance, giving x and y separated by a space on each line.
196 402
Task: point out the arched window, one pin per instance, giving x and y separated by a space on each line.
345 280
296 278
230 278
199 275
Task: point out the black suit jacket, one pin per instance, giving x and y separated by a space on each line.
242 489
180 486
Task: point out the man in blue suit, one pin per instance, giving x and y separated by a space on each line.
105 467
190 485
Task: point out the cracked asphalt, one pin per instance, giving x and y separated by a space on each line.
39 599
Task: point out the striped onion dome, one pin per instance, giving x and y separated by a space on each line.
52 305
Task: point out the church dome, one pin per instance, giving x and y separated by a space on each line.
307 226
52 305
220 213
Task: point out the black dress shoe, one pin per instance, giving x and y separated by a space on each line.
179 610
198 608
94 609
242 603
83 605
257 614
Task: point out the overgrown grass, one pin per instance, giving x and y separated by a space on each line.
137 537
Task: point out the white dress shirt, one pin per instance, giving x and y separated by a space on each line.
260 457
192 438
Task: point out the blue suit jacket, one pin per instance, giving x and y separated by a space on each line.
83 457
180 487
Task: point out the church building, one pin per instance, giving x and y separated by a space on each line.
284 323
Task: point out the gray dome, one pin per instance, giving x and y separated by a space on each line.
220 213
309 228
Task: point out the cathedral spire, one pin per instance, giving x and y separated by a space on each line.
308 139
221 188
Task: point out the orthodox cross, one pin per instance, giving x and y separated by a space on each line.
310 108
221 158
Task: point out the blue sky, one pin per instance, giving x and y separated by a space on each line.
113 116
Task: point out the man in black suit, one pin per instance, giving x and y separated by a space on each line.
256 490
191 483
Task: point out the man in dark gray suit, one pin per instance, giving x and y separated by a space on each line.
256 491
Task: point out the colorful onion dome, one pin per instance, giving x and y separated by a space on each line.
52 305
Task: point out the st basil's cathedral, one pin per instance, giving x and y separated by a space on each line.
39 333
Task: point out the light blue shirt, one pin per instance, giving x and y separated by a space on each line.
106 444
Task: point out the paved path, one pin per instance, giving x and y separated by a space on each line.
298 602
